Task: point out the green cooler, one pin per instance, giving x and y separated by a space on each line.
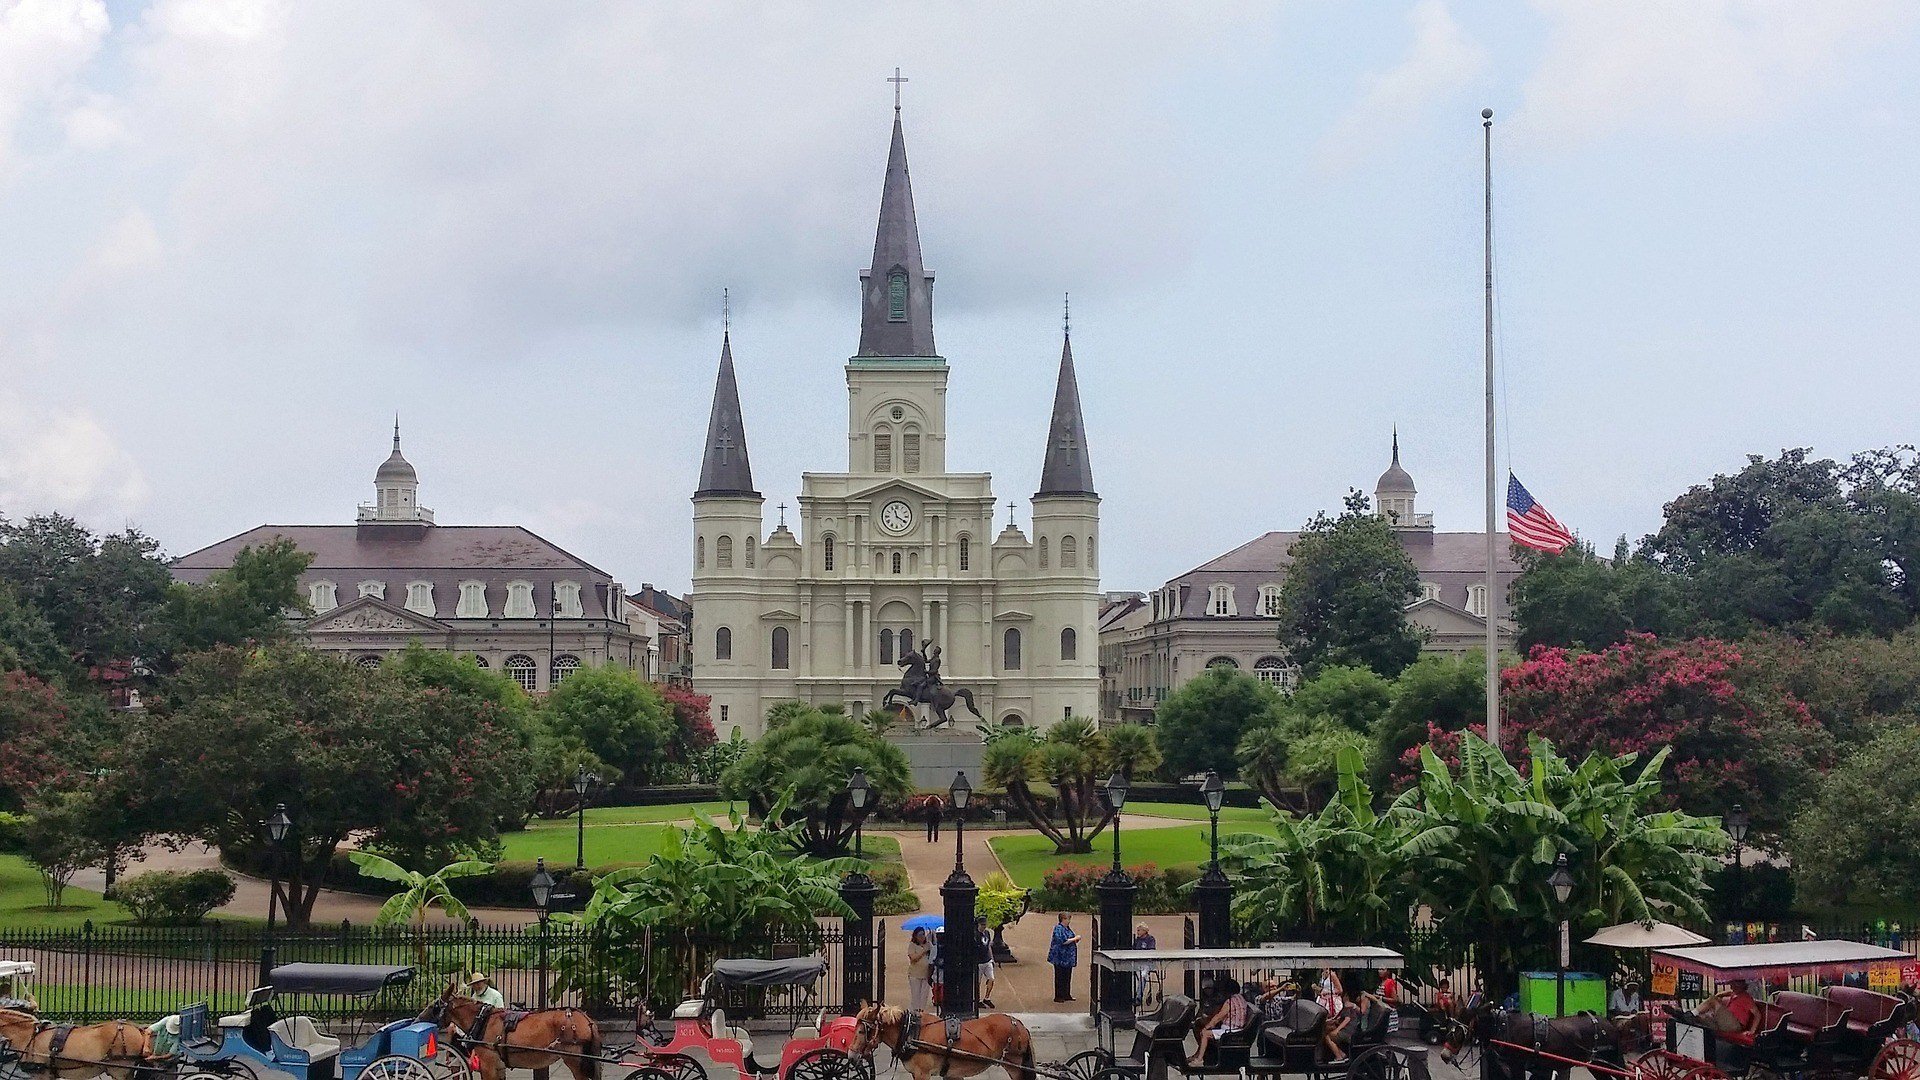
1586 992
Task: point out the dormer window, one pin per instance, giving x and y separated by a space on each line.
322 596
1429 591
566 600
519 600
897 296
1477 600
1270 601
473 600
375 589
420 598
1220 601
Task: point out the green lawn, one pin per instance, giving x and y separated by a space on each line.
555 841
626 815
1028 856
1190 812
23 903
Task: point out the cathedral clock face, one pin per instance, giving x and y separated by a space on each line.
896 517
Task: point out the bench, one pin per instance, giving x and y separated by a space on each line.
1872 1016
1160 1038
1817 1020
1290 1044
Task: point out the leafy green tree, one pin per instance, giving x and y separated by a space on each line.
419 893
248 601
420 772
1133 750
1355 698
1073 758
1856 686
1854 843
614 713
1346 592
28 643
99 594
1292 751
58 840
1198 725
1438 693
713 891
798 772
1577 600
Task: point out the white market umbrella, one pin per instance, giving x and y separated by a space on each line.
1633 935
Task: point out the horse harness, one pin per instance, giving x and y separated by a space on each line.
509 1020
57 1045
905 1046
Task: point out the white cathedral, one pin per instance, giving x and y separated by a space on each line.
896 553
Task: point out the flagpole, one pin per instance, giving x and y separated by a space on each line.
1492 606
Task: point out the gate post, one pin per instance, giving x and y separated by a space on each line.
1116 932
857 891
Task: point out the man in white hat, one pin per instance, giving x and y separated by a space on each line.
163 1038
480 988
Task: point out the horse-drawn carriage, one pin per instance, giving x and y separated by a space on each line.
1822 1022
703 1035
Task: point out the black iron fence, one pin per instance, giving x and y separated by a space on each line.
142 973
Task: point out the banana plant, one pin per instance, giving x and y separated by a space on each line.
418 894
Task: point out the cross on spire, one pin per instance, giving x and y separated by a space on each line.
896 81
1067 441
783 515
726 310
1009 513
724 443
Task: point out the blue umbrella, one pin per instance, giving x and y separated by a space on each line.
924 922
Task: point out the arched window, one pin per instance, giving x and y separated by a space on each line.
564 665
523 670
896 562
1275 673
883 451
1043 553
1010 649
1220 601
420 597
1069 552
723 644
1223 661
700 553
519 600
1270 601
1093 563
777 649
1477 600
723 552
910 449
897 296
1069 644
566 600
906 642
966 552
753 544
886 646
473 600
369 661
826 553
480 661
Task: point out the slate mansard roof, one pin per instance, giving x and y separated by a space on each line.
444 555
1452 560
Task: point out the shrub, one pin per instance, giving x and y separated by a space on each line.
174 897
1070 887
896 892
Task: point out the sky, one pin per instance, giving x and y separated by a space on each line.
238 236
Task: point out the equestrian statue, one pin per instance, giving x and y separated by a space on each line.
920 684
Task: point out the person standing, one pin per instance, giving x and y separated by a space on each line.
983 960
919 970
1064 954
1143 940
933 808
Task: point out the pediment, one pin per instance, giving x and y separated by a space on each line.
894 483
1438 615
780 615
368 614
1013 615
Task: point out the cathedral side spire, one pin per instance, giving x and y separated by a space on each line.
896 291
725 471
1068 470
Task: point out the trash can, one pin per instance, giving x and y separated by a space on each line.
1586 992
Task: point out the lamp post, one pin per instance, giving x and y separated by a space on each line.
542 886
277 828
858 891
1213 893
959 893
1737 822
1116 891
1562 883
583 782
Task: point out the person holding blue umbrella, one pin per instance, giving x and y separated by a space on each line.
919 970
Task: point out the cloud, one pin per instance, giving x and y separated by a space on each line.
1441 61
1609 64
44 46
63 459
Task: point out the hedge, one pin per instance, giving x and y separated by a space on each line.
1070 887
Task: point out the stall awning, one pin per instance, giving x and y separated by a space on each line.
1779 959
1283 956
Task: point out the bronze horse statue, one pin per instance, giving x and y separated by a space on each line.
921 685
1583 1037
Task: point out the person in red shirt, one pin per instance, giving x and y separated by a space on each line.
1732 1013
1390 989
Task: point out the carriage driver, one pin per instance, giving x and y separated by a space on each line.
163 1038
480 988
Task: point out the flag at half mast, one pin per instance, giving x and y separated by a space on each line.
1529 523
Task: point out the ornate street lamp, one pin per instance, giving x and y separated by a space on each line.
1561 881
959 895
859 790
542 886
277 827
1737 822
583 782
858 891
1116 891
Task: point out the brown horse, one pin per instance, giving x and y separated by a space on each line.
920 1042
537 1038
115 1047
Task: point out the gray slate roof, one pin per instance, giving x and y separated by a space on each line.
1451 560
445 555
1067 469
896 245
725 471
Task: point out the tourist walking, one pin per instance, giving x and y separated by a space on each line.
933 808
919 970
1064 954
983 960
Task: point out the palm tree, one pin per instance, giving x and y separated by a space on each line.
1072 758
418 893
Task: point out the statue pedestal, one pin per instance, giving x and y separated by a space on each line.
936 755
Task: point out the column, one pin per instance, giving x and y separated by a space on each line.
846 634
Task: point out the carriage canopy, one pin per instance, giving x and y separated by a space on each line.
1284 955
794 972
338 978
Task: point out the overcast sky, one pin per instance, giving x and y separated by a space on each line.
236 237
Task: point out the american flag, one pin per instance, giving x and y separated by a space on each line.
1529 523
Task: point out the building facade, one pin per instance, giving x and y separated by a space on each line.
1226 611
896 553
665 621
499 593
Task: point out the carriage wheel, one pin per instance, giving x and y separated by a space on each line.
827 1063
1114 1072
1381 1063
1898 1060
1086 1065
648 1072
1662 1065
450 1064
672 1067
397 1067
220 1070
1705 1072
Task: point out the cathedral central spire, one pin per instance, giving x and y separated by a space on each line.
896 291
